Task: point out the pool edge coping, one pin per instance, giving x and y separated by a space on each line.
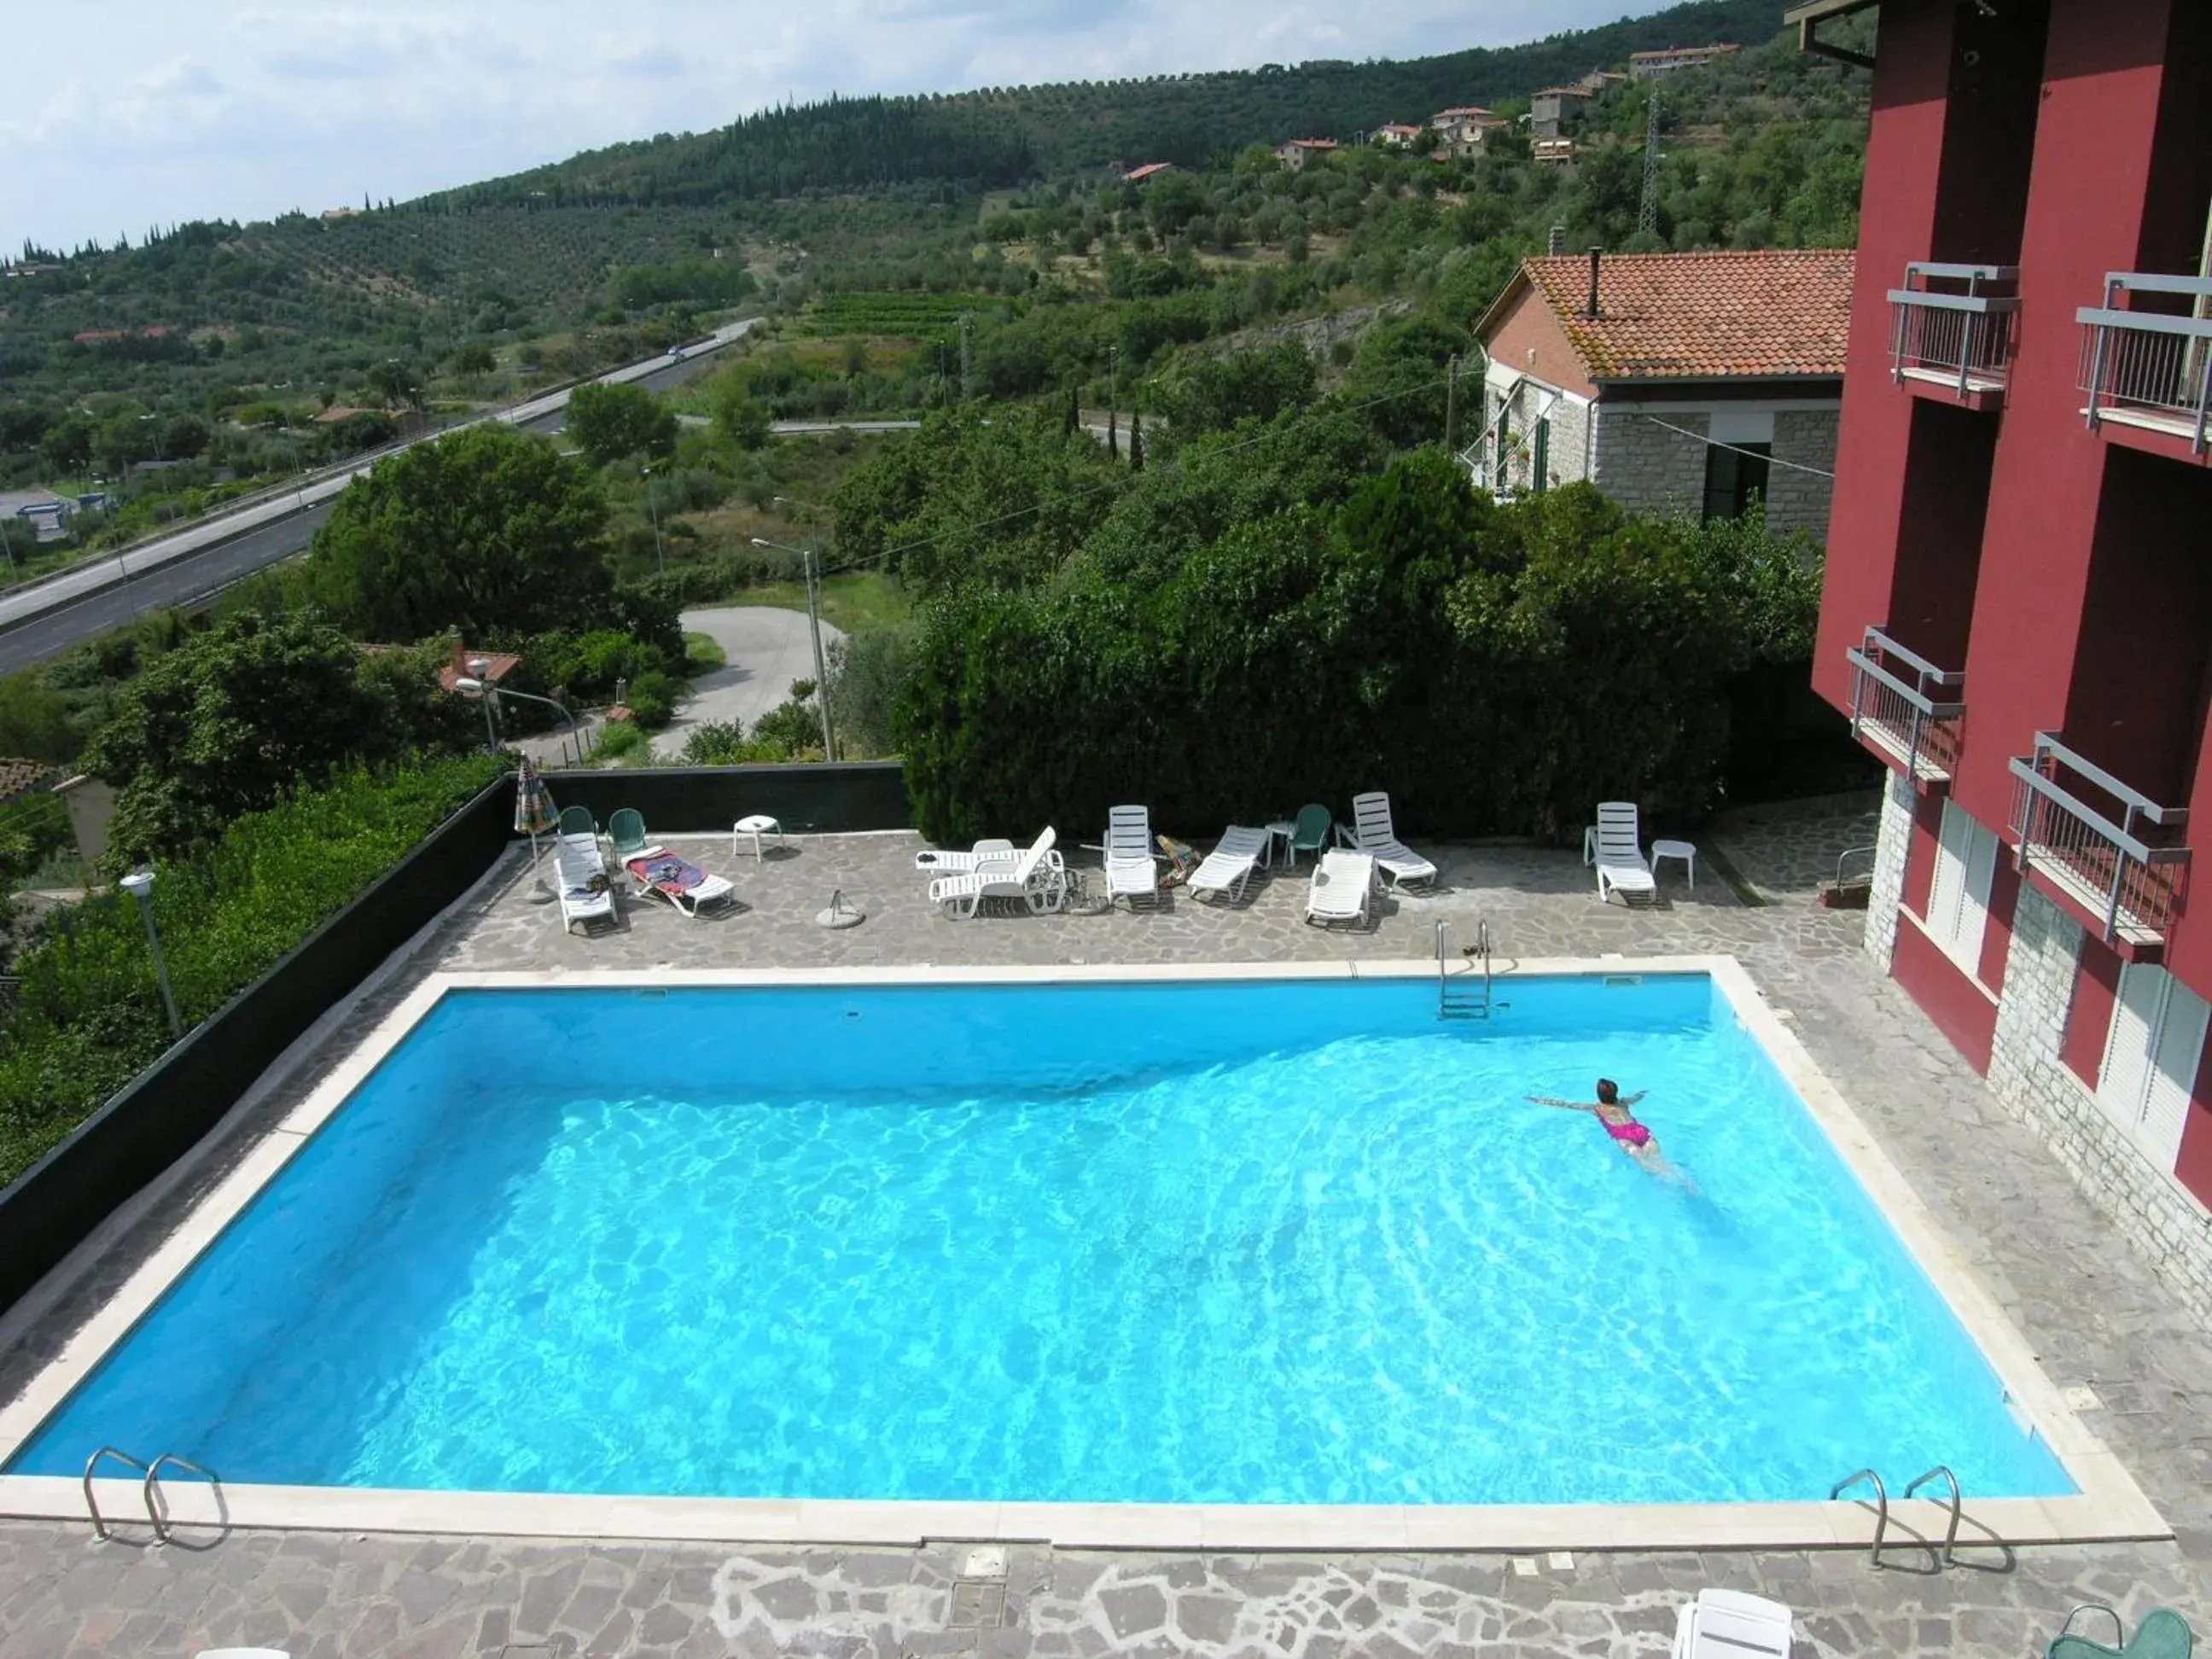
2109 1505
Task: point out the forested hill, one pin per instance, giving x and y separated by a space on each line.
999 136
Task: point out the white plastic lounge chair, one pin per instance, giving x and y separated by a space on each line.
1229 867
660 873
1131 870
1342 884
1371 833
586 895
951 862
1037 876
1614 844
1723 1624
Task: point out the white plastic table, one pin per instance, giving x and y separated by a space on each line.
755 826
1280 830
1681 850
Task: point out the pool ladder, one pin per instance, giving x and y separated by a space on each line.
156 1511
1942 1471
1468 1004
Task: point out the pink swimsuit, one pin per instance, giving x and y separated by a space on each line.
1629 1135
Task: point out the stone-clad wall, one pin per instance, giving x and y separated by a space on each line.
1795 500
1649 468
1892 841
2154 1211
1570 424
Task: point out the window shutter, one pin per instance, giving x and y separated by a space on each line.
1541 481
2174 1060
1981 864
1947 889
2124 1080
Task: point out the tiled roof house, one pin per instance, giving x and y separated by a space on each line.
1676 382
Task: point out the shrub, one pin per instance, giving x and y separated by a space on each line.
792 729
723 742
89 1014
653 699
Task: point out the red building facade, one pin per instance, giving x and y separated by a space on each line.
2018 609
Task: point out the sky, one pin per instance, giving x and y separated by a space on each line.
120 114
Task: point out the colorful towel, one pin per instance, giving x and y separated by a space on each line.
668 872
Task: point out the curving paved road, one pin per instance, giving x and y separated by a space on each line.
66 609
768 648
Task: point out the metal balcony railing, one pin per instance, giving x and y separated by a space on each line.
2151 368
1953 325
1900 711
2120 858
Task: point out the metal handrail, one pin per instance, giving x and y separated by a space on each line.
1875 639
1974 340
2084 840
2165 367
1919 699
1951 1534
1881 1506
1958 273
2136 801
99 1525
1907 716
155 1511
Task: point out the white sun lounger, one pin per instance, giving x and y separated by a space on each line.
1132 871
1229 867
586 895
1372 833
1723 1624
659 872
1342 883
1037 876
1614 844
951 862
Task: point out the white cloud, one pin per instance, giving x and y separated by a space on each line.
147 111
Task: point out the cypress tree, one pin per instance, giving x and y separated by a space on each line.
1136 440
1113 441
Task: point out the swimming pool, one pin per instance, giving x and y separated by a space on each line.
1243 1241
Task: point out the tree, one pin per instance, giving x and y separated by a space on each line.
612 421
184 437
396 382
738 420
1136 440
475 358
488 531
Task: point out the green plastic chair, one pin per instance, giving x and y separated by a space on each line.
627 830
2163 1634
577 820
1310 833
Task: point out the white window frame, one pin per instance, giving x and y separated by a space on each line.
1958 910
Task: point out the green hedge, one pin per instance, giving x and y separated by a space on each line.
88 1015
1498 669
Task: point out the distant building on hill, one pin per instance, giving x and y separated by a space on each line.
1394 135
1650 65
1695 382
1554 152
1295 153
1457 114
1551 108
1150 170
1463 140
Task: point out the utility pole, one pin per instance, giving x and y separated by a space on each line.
1647 210
651 506
967 356
821 674
1451 405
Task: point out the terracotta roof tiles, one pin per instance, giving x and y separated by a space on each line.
22 777
1773 312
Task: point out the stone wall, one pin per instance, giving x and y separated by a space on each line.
1564 450
1795 500
1649 468
1892 842
2155 1213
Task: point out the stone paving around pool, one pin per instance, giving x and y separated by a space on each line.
2096 1315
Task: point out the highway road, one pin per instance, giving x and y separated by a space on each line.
45 618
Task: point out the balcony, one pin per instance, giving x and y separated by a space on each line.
1951 330
2107 851
2149 370
1898 711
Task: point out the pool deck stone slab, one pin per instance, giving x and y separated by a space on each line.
2095 1317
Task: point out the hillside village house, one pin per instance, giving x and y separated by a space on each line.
1553 105
1395 135
1678 383
1650 65
1446 119
1463 139
1554 152
1296 152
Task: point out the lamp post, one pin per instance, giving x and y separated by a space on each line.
139 883
660 553
489 692
813 627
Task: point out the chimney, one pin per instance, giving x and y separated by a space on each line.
1590 309
1559 242
460 658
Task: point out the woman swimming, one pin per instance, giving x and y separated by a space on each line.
1611 1109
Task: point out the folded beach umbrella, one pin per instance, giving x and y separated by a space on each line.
534 811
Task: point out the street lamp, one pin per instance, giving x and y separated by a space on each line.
139 883
488 691
814 626
660 553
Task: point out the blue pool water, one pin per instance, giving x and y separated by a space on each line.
1261 1243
